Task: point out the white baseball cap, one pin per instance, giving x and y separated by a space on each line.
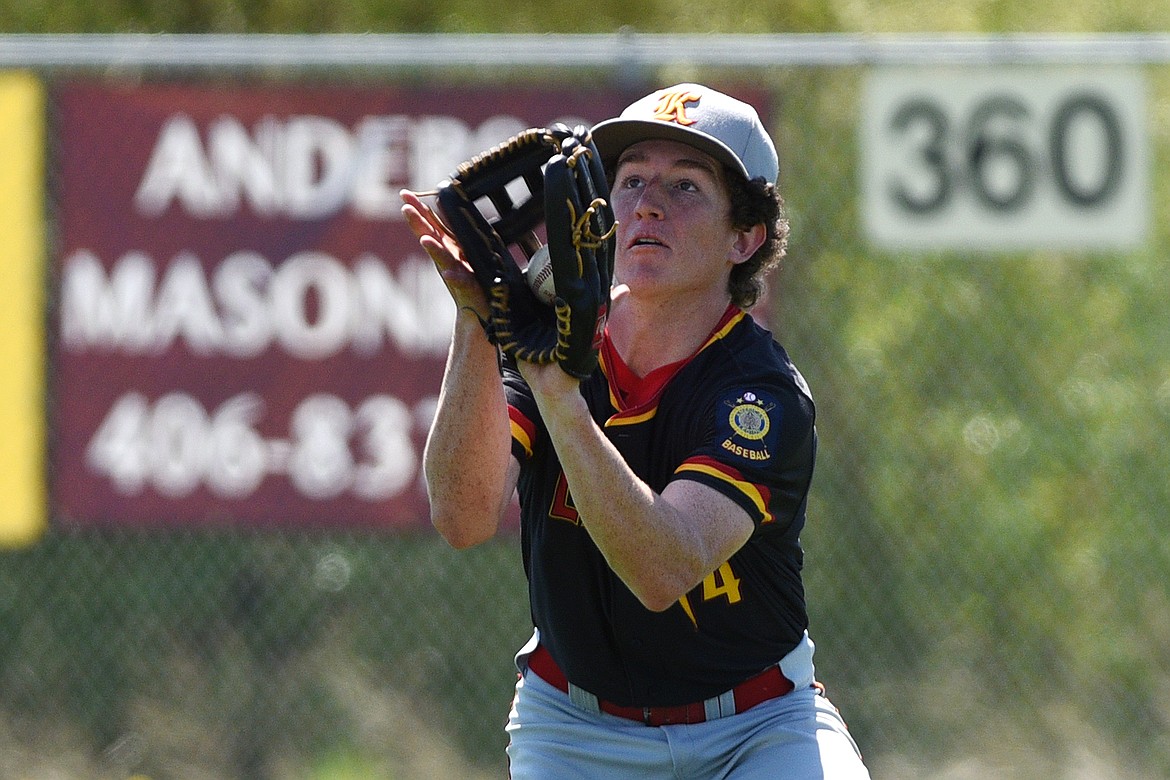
725 128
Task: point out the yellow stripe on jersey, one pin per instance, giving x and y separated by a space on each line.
521 436
685 603
523 432
731 323
614 402
732 477
632 419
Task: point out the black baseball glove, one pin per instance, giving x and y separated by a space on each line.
543 177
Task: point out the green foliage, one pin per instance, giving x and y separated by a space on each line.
604 16
258 646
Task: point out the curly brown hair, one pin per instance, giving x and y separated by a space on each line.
754 202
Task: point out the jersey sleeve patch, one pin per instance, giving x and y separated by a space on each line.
748 425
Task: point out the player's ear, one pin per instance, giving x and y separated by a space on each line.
746 242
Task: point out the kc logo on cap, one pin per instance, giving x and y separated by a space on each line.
672 106
728 129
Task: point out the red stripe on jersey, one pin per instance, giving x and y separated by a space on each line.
523 431
759 495
636 398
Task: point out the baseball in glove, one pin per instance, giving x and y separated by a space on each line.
498 201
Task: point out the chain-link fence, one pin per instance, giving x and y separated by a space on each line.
986 554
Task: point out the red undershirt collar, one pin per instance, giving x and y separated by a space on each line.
633 391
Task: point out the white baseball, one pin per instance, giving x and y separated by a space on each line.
539 275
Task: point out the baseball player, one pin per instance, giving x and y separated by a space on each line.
662 496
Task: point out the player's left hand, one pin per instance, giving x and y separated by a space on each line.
568 194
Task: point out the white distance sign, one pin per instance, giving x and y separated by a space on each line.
1004 158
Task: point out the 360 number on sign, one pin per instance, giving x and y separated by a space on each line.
1004 158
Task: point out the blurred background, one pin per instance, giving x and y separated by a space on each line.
222 349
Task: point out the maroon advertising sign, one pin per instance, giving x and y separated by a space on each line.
246 332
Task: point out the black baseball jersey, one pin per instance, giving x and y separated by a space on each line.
736 416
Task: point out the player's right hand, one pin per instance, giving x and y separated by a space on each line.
446 254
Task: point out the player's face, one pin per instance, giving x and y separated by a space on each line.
673 211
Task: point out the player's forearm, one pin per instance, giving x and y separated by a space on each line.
659 551
468 447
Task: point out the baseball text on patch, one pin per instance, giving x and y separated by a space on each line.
748 425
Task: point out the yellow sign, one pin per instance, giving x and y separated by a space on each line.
23 510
